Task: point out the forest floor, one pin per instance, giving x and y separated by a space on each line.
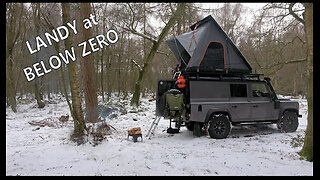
248 150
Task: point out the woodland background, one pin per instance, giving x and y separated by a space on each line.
273 40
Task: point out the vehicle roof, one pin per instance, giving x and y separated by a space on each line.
255 78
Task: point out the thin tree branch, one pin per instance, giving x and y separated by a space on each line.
139 34
136 64
19 25
49 24
133 16
161 52
255 59
294 14
290 42
286 62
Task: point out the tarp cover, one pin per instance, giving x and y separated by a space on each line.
207 48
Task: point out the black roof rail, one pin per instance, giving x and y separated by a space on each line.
226 76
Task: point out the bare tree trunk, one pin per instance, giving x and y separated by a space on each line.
77 114
87 68
119 64
136 95
64 87
294 87
62 77
307 150
101 75
9 84
12 33
37 81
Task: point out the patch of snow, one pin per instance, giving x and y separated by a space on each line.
248 150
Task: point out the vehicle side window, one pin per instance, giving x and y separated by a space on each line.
259 90
238 90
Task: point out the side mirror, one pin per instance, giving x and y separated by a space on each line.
267 79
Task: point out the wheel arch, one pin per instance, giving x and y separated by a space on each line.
291 110
212 111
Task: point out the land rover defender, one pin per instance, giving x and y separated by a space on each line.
213 86
213 104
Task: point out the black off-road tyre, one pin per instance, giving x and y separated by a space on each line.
197 128
219 126
172 131
189 126
288 122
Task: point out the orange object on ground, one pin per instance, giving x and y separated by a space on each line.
136 130
135 133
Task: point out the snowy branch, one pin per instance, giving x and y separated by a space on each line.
135 63
282 63
139 34
294 14
161 52
287 62
290 42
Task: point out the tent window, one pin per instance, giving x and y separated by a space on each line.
214 57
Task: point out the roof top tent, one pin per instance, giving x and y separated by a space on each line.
207 50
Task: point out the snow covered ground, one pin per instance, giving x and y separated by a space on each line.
248 150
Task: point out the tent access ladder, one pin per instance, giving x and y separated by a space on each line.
153 126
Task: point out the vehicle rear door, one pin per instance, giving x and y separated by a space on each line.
239 106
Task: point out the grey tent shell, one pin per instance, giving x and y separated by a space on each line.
207 48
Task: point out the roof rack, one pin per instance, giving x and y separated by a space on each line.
242 77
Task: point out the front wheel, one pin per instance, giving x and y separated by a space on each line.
219 126
288 122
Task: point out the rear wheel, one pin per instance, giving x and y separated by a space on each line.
197 129
219 126
288 122
189 126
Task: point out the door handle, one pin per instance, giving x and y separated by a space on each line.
255 106
234 106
